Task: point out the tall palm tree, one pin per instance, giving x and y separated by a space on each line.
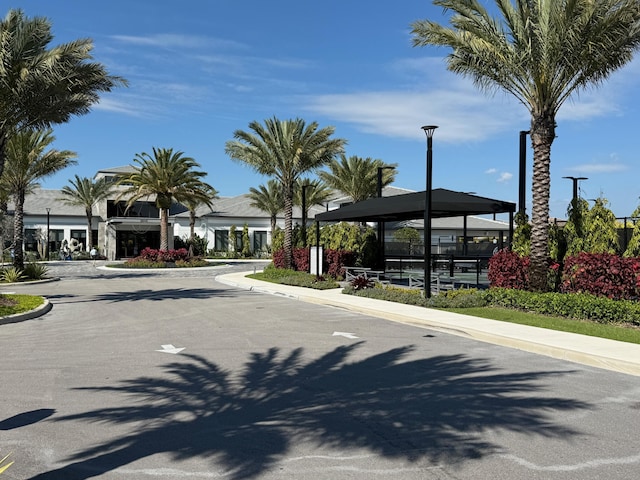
357 177
268 199
40 85
541 52
165 176
316 192
285 150
85 192
27 162
192 205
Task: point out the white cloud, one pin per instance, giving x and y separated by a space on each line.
169 40
598 168
431 94
461 115
491 171
505 177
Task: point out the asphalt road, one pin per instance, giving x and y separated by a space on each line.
264 388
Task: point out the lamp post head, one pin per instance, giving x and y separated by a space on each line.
576 178
429 129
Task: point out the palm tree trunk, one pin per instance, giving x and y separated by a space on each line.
89 242
164 229
192 225
18 231
273 226
288 226
542 135
3 149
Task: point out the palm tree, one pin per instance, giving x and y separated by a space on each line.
316 192
285 150
268 199
27 162
42 86
192 205
357 177
85 192
541 52
166 176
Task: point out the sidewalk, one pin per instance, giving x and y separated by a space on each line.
597 352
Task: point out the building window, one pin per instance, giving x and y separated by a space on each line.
55 239
138 209
222 240
31 240
259 241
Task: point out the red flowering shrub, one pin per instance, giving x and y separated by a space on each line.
153 255
602 274
335 260
507 269
301 259
278 258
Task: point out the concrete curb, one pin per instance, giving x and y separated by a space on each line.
20 317
596 352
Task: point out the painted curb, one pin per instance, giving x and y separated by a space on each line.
21 317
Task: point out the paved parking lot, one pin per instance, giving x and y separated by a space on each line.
174 375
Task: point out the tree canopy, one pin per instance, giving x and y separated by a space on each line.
541 52
43 85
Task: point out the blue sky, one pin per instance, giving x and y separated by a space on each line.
200 69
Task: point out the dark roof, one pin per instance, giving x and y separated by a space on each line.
444 203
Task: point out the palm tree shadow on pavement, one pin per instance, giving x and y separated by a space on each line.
417 410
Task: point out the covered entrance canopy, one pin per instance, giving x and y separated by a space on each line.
410 206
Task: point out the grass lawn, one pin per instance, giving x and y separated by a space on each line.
11 304
621 333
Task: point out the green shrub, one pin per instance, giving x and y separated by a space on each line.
12 275
192 262
406 296
463 298
35 271
294 278
143 263
582 306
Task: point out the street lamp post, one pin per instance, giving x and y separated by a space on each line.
304 215
46 247
575 181
522 172
428 130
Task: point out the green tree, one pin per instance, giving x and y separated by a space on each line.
192 205
357 177
166 176
601 231
574 230
408 235
246 243
41 86
85 192
285 150
268 199
315 193
522 235
633 248
541 52
28 161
